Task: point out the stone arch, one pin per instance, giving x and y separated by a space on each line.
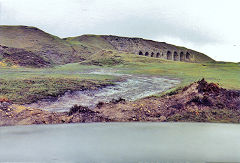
169 55
146 54
140 53
187 56
158 55
175 56
152 54
181 56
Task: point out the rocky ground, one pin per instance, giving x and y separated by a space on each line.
198 102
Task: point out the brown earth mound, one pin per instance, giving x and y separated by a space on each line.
198 102
21 57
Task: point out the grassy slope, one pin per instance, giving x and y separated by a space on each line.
87 45
202 58
23 85
26 85
226 74
94 43
33 39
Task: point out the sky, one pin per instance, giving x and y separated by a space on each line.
208 26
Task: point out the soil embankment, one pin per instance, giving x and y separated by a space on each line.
198 102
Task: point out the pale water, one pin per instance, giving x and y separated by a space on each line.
121 142
132 88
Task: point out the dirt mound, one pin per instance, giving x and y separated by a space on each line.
218 97
199 102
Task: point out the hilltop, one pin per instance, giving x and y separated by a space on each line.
39 46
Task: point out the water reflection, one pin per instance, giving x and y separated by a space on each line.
121 142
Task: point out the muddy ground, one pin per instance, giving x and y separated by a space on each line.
198 102
130 87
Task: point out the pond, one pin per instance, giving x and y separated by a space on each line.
121 142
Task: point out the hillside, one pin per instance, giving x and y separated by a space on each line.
35 40
55 50
140 46
21 57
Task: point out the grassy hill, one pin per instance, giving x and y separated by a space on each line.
54 49
36 46
135 46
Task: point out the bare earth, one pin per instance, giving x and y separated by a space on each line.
198 102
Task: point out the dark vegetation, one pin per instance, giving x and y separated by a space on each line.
119 100
80 109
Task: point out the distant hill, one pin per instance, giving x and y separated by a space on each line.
30 46
35 40
141 46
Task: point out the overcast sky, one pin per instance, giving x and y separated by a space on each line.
209 26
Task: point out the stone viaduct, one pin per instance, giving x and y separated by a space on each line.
174 55
151 48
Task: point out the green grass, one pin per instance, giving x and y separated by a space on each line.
30 90
94 41
225 73
24 85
